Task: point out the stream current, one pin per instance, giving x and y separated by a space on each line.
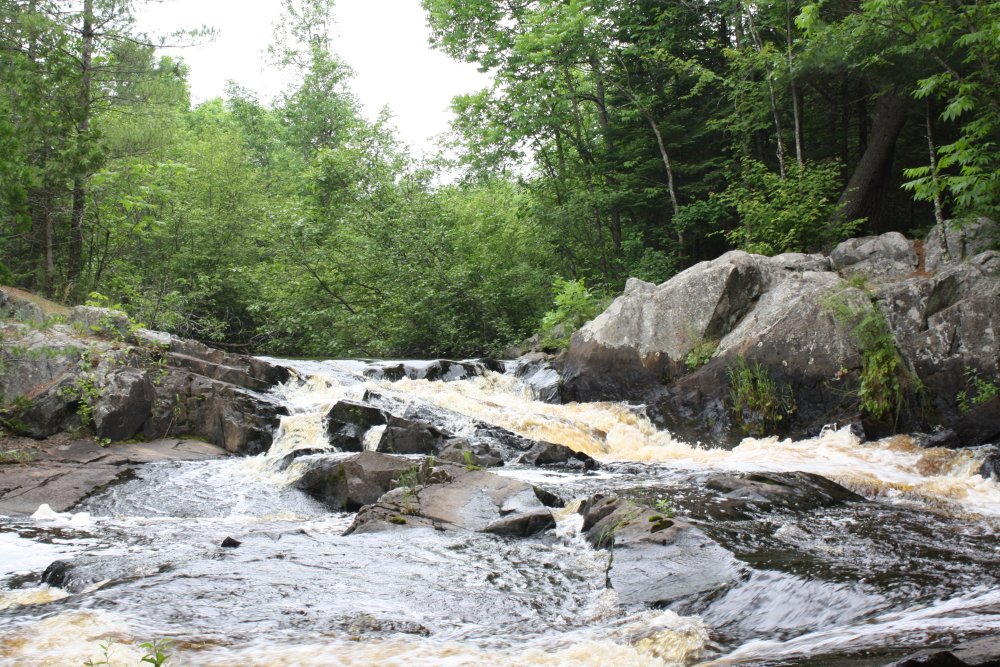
910 566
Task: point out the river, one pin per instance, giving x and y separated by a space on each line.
911 565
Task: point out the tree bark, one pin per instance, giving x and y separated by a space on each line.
862 198
75 262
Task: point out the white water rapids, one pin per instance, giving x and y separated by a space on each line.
912 566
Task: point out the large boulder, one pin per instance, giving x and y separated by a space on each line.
810 323
124 405
890 255
957 241
644 337
350 483
450 497
656 559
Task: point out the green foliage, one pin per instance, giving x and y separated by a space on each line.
16 456
786 214
978 391
701 354
574 306
884 379
758 404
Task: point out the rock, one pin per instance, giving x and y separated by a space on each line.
454 498
230 543
980 425
57 574
52 411
751 493
547 453
890 255
347 422
983 652
646 334
540 376
349 483
66 471
465 452
959 243
124 405
100 320
15 304
656 559
796 338
990 468
404 436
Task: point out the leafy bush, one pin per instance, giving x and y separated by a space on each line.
574 306
758 404
790 214
885 380
978 391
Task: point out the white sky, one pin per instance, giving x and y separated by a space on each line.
384 41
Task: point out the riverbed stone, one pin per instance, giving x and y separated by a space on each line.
347 422
349 483
450 497
655 559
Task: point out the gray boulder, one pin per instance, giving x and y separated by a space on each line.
124 405
349 483
890 255
453 497
957 242
647 333
655 559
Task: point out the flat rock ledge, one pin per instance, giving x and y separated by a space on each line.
62 471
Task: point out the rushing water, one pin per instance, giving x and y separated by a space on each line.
911 566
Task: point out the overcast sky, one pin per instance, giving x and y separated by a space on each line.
384 41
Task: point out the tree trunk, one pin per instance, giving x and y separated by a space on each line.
862 198
799 150
75 263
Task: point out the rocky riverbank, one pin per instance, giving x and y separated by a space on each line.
887 333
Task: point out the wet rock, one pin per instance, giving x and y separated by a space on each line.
292 456
230 543
541 377
348 421
656 559
984 652
888 255
465 452
798 491
124 405
990 469
366 624
405 436
350 483
453 497
57 574
981 424
547 453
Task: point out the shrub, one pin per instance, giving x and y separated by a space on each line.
758 404
574 306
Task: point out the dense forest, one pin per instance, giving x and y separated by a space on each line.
619 138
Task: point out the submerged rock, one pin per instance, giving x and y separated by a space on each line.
656 559
983 652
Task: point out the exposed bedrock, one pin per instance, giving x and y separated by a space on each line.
804 319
